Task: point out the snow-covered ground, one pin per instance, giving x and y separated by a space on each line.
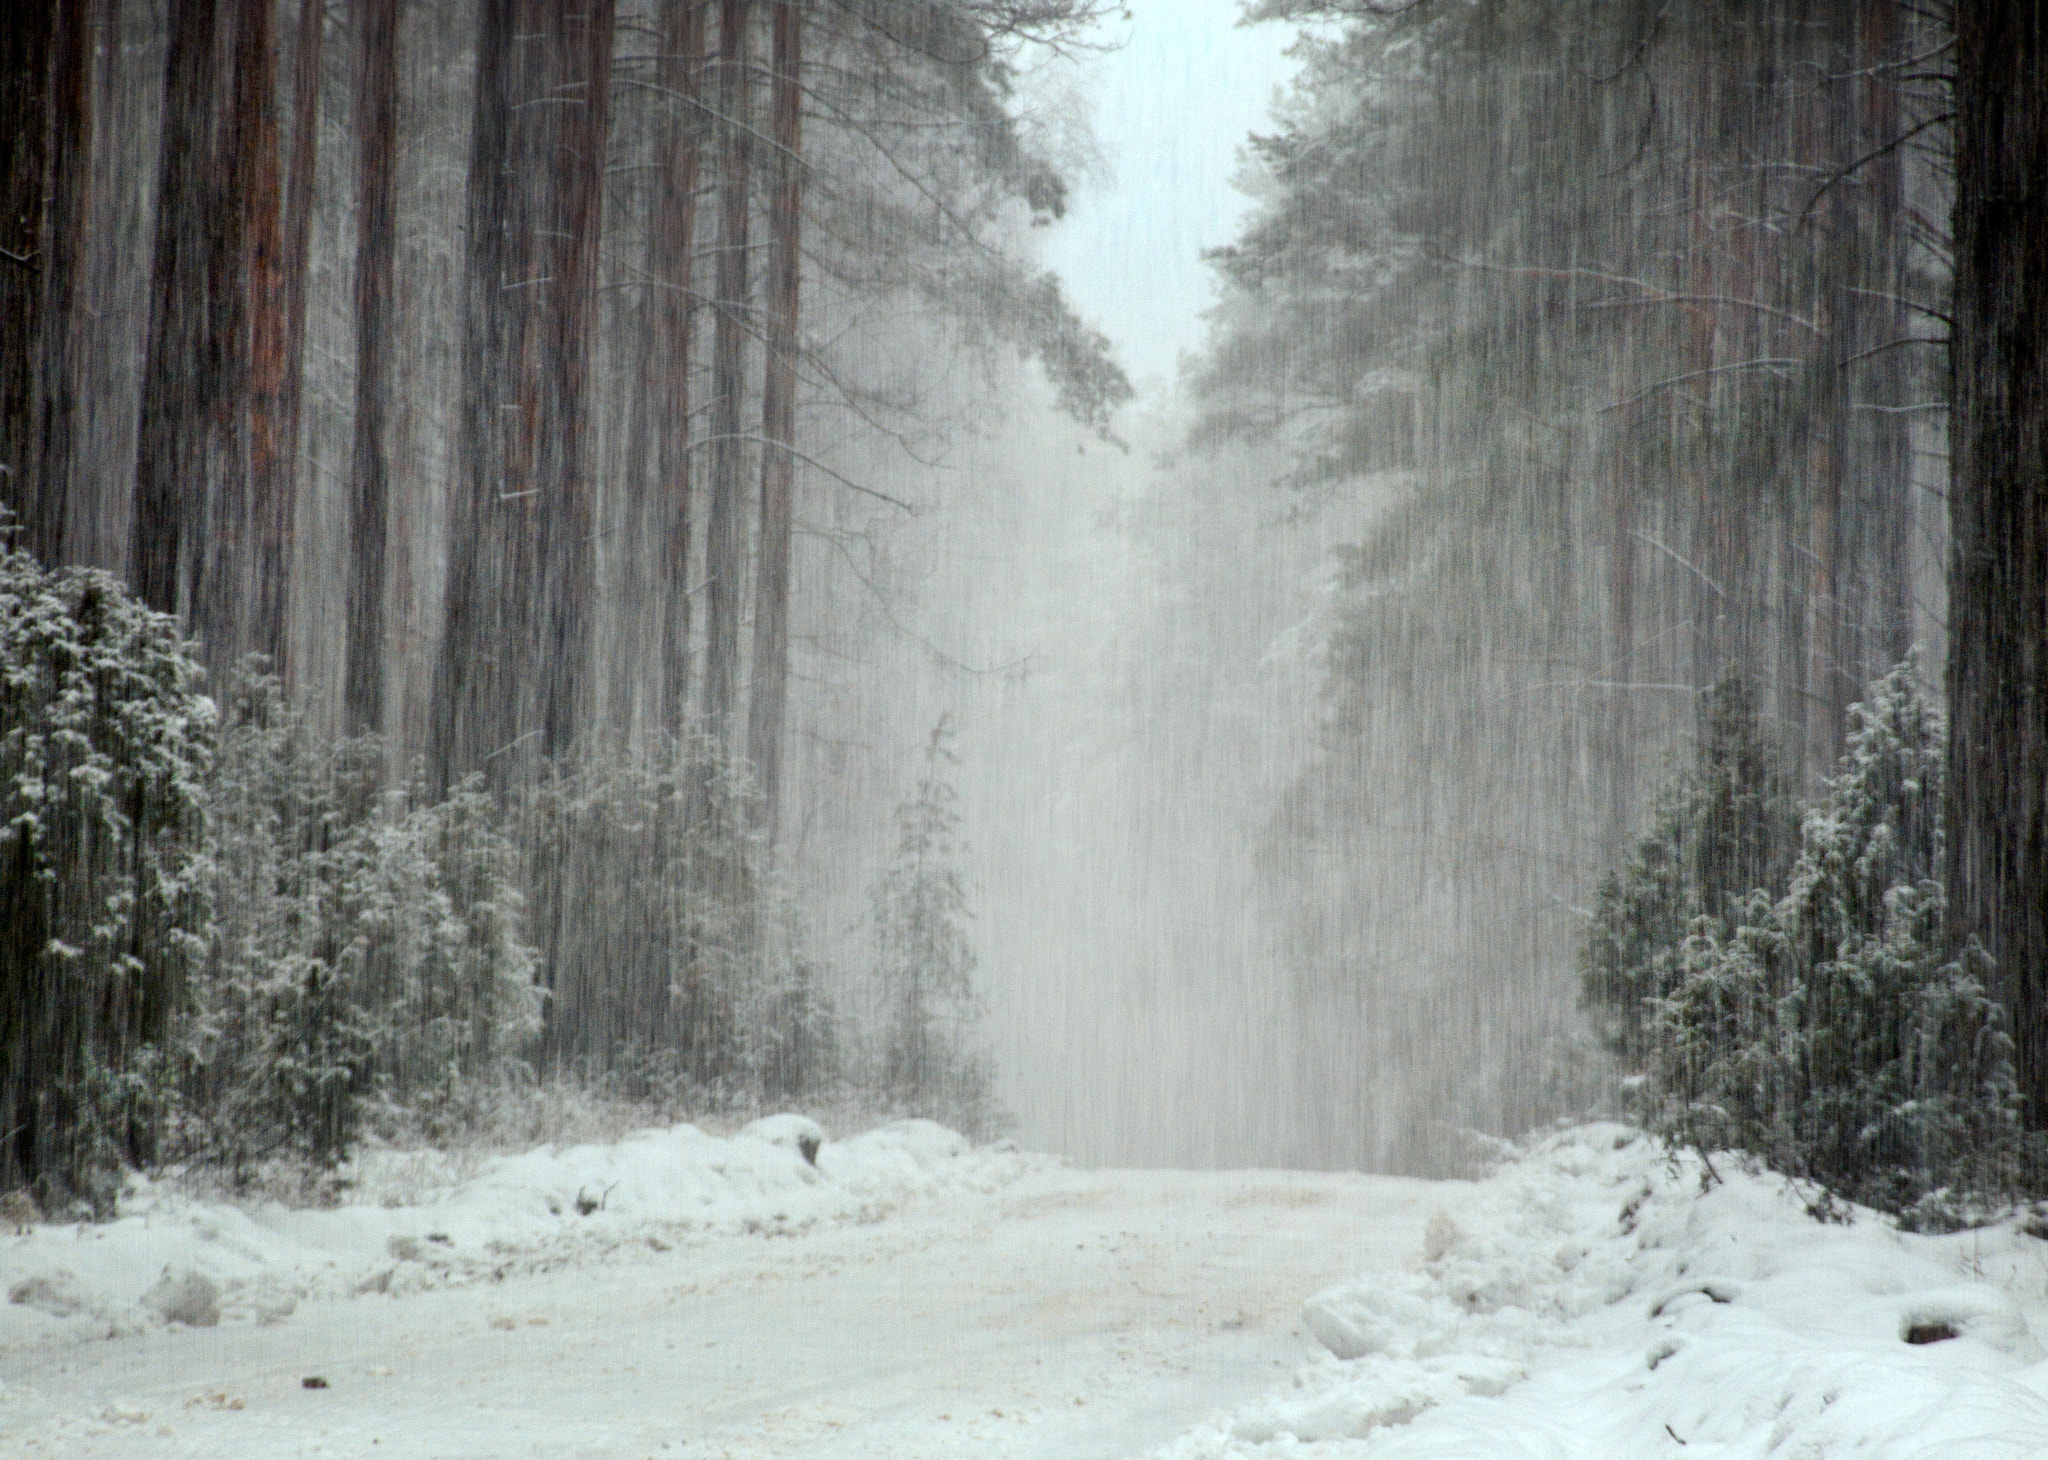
680 1294
1591 1302
911 1296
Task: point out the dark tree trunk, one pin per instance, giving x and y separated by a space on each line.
376 249
242 175
778 414
574 240
51 535
27 38
472 713
181 387
514 657
269 456
1998 575
670 263
1880 375
725 555
279 348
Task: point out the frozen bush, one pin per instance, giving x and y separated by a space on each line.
368 954
671 953
105 747
924 961
1830 1029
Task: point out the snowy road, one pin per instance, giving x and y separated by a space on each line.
1071 1314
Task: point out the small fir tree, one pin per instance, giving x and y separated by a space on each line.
367 960
105 747
924 960
1727 827
1828 1031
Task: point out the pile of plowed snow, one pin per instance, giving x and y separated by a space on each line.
422 1220
1593 1302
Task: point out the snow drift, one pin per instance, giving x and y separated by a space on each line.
423 1219
1594 1302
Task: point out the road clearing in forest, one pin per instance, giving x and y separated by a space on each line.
676 1294
1067 1313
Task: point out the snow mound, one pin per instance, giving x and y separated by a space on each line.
418 1220
798 1132
1600 1300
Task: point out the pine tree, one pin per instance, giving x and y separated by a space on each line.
105 747
1825 1030
924 961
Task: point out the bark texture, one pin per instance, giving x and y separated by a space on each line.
726 545
1998 594
26 39
376 254
52 535
769 690
181 384
514 669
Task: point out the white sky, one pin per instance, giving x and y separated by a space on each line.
1172 108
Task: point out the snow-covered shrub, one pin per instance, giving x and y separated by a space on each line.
1726 828
105 745
670 949
367 955
1830 1031
924 962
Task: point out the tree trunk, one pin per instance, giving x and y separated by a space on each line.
584 132
224 573
1998 504
180 387
670 263
770 684
280 348
726 545
26 42
514 655
69 231
269 455
472 713
376 248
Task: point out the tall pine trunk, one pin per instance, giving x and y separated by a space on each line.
279 348
1998 504
570 556
244 172
26 41
725 554
181 386
514 662
268 454
68 234
670 262
769 690
370 471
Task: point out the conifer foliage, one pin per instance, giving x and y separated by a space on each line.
1817 1020
924 960
105 748
367 953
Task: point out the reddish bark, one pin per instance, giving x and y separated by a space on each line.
769 693
370 467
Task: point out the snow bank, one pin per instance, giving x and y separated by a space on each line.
422 1219
1592 1302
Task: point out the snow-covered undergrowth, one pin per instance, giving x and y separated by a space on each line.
422 1220
1591 1302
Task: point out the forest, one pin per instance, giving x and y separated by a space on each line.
458 587
1695 638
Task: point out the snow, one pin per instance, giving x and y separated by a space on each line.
974 1302
914 1295
1592 1300
419 1220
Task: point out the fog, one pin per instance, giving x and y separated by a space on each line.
1119 577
